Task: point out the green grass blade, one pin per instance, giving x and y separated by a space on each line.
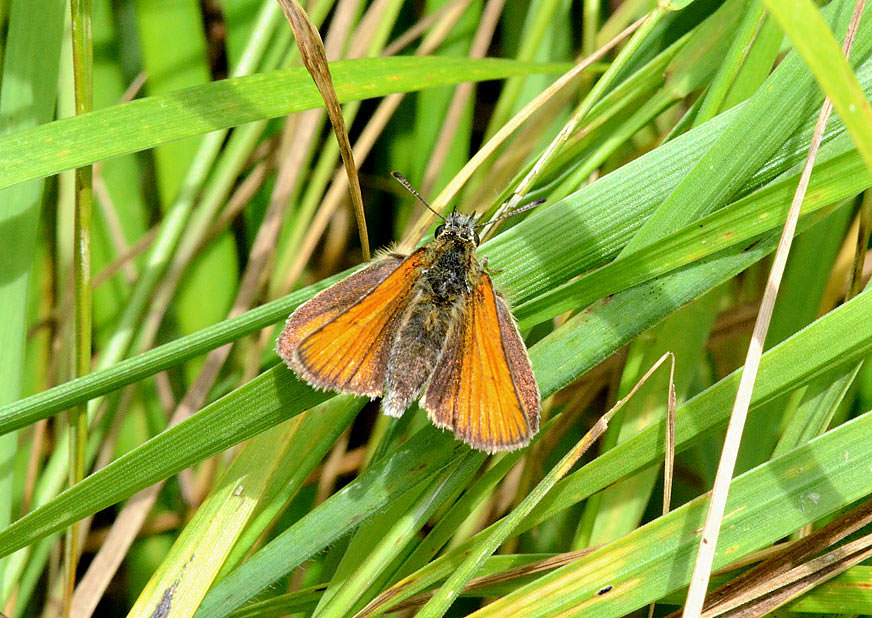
810 34
416 461
149 122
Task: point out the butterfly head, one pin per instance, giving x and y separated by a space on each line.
459 226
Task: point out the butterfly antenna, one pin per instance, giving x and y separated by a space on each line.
516 211
405 182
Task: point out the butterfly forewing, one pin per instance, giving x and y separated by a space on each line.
472 390
331 302
348 350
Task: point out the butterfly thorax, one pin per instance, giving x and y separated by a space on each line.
453 270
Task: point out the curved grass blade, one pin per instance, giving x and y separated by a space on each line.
149 122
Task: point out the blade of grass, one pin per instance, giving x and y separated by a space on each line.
379 542
709 538
27 99
417 460
802 23
83 84
315 60
149 122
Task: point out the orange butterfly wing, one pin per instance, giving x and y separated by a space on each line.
483 388
345 347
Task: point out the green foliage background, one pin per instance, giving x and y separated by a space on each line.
663 208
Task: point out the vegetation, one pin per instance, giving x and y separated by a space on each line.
195 475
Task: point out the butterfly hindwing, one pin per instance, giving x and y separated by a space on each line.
346 347
483 387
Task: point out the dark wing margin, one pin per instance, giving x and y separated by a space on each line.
483 388
519 363
340 340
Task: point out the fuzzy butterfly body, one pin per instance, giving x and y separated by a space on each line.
430 327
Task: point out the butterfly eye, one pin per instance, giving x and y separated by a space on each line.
439 231
477 239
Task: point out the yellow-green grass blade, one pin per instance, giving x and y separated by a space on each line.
740 223
784 494
813 38
202 548
619 509
416 461
152 121
378 544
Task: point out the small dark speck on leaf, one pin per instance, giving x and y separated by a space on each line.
604 590
753 244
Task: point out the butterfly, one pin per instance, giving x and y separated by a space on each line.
429 327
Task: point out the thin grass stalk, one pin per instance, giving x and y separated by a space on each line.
83 61
709 538
440 202
596 93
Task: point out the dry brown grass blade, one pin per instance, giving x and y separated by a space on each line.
786 559
709 537
669 455
789 585
315 60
